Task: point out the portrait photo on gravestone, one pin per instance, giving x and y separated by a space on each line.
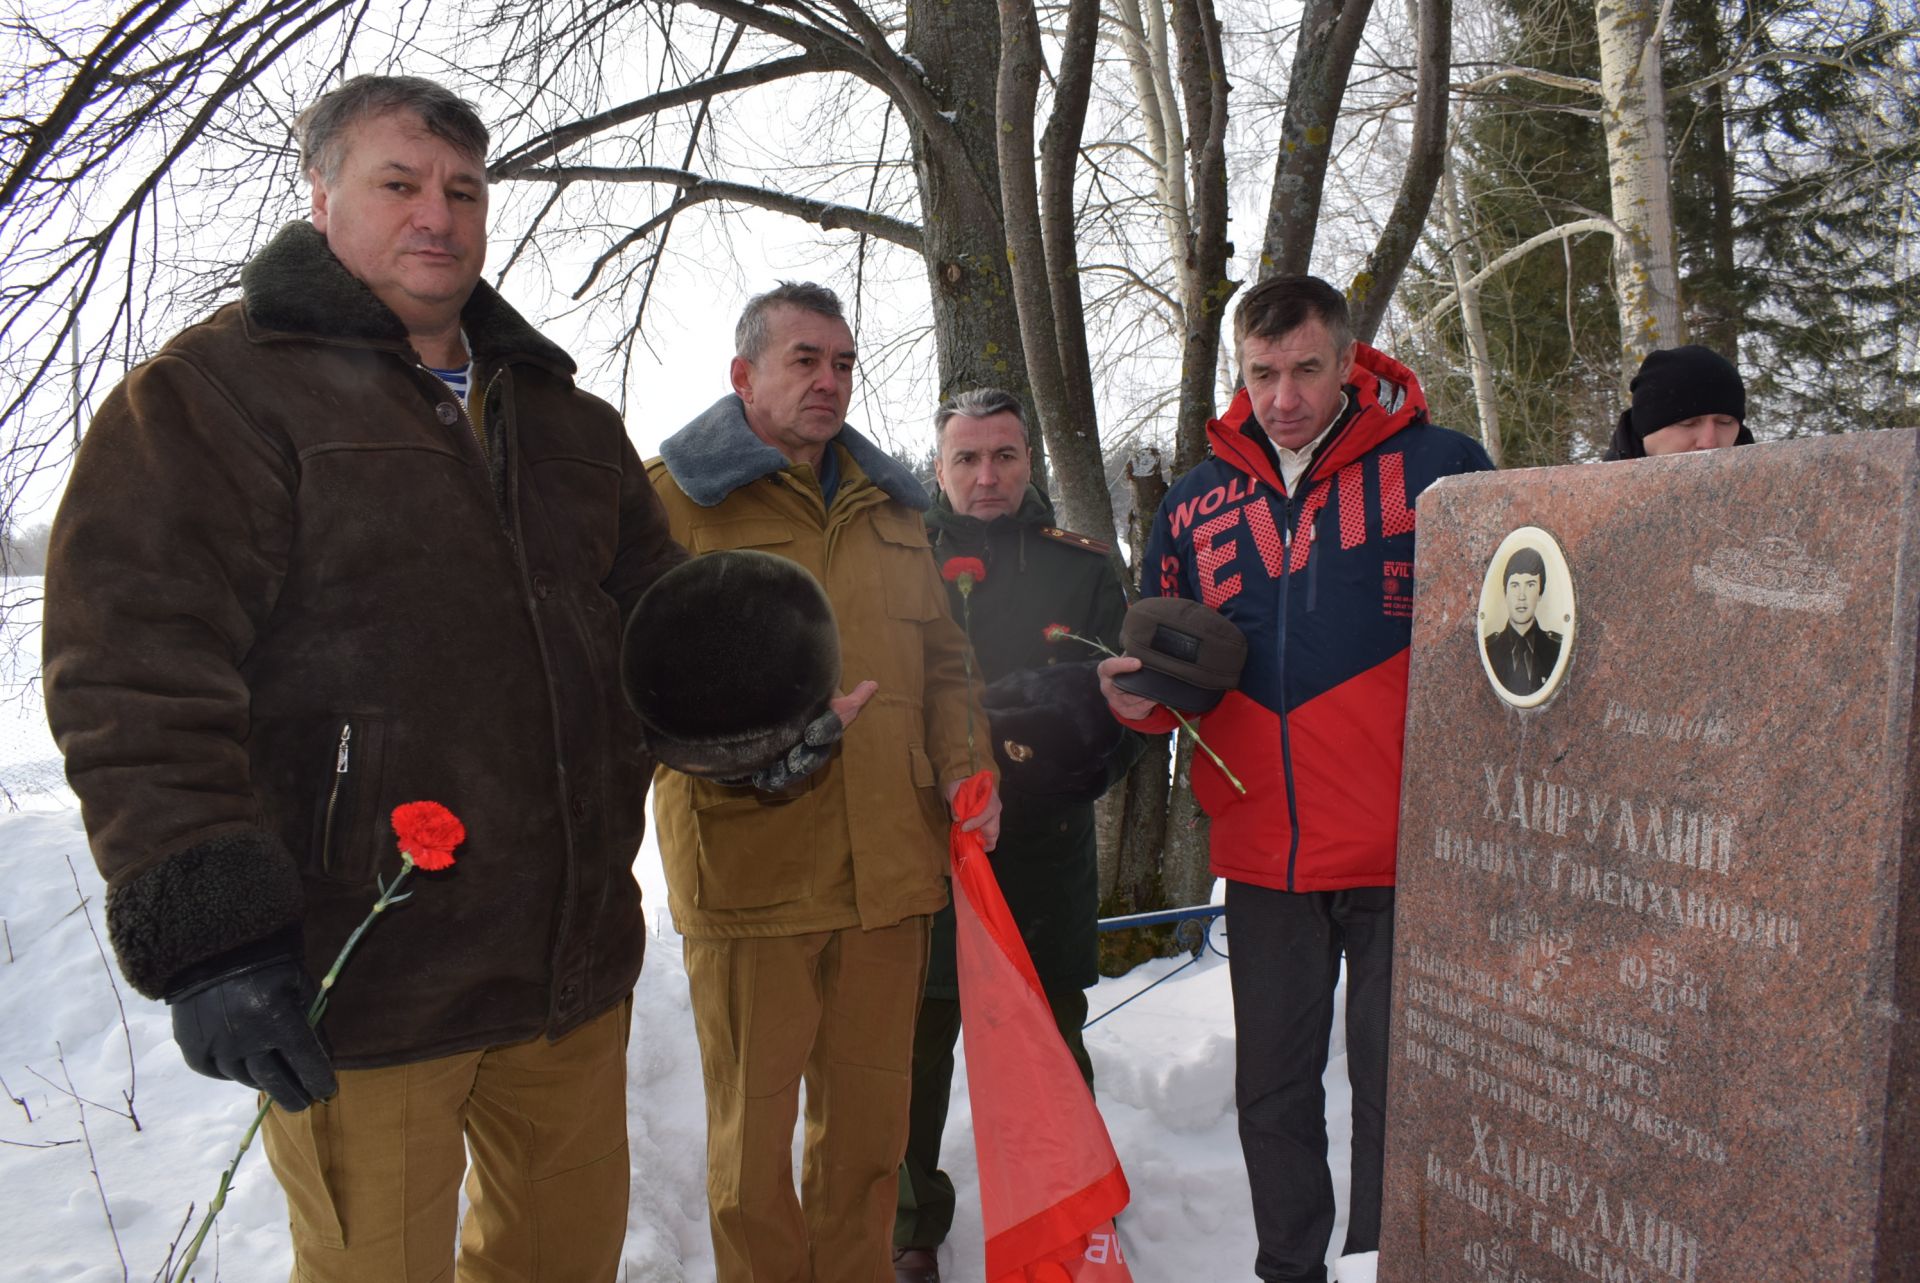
1526 617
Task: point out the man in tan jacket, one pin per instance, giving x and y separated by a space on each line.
806 912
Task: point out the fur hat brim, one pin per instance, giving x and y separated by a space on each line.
727 658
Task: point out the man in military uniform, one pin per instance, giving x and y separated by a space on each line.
1057 746
1524 652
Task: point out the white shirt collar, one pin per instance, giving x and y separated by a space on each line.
1294 463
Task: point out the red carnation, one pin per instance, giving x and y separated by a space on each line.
428 833
1056 632
965 571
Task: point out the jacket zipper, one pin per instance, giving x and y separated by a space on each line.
340 766
1286 742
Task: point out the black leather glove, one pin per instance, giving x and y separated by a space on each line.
803 759
249 1024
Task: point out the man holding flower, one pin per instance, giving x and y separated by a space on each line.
1299 529
357 540
1057 747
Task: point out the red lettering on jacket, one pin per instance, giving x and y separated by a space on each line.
1396 514
1266 537
1353 506
1241 487
1209 557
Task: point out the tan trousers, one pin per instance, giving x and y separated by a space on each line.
837 1009
373 1176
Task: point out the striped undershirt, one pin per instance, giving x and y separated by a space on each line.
456 379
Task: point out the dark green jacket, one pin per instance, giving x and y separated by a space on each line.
1037 574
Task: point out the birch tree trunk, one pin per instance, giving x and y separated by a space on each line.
1486 402
1144 40
1633 113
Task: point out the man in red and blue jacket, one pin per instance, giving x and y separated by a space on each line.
1300 529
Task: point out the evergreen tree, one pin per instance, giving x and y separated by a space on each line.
1793 172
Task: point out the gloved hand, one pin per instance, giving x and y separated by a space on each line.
249 1024
802 760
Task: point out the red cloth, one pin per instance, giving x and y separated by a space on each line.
1050 1183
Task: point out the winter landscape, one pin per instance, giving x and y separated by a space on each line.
93 1198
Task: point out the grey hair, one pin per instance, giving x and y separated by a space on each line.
980 403
750 334
322 128
1280 305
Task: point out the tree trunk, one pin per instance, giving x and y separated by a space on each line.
1714 301
1185 873
1486 400
1204 284
1634 113
1080 473
1080 467
1373 288
1329 35
976 325
1133 815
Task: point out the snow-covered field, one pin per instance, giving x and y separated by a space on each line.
90 1197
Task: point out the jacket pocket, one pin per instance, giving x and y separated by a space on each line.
924 776
1238 729
912 594
742 532
302 1155
751 855
320 781
348 840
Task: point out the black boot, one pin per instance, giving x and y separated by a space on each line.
915 1265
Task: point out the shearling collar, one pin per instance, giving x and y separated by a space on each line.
295 285
718 453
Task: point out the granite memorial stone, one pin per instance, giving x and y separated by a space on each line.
1657 965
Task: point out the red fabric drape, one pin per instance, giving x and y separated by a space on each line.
1050 1183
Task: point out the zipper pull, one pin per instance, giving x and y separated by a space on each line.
340 754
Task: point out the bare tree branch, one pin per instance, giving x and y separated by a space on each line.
1562 232
695 188
548 145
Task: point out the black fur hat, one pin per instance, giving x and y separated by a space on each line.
1052 731
727 658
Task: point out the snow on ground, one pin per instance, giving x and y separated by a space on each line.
79 1175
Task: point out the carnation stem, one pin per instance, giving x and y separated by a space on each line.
219 1197
314 1012
966 625
387 897
1185 725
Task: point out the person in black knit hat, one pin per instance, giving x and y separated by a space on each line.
1684 398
